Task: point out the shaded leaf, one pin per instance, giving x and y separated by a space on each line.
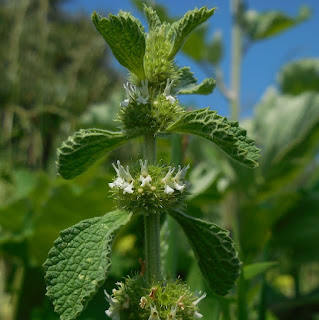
79 261
255 269
205 87
182 28
214 251
84 147
299 76
215 49
227 135
126 38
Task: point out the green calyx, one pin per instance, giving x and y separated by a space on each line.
151 189
165 300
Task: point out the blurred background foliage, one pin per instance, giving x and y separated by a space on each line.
57 77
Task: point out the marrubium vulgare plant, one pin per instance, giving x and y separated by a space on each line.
79 261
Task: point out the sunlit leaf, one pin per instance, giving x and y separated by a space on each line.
214 251
152 17
299 76
287 127
126 38
84 147
182 28
227 135
79 261
262 25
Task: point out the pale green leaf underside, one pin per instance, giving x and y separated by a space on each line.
79 261
84 147
214 250
126 38
253 270
182 28
206 87
227 135
187 84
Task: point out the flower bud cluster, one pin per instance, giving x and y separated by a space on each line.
152 189
167 300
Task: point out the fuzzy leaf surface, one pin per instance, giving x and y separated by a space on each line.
182 28
153 19
126 38
214 251
84 147
79 261
227 135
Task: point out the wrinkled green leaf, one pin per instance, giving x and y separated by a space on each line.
84 147
182 28
152 17
262 25
214 251
255 269
299 76
227 135
79 261
287 127
126 38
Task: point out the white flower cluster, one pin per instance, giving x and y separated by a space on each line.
138 94
177 182
125 181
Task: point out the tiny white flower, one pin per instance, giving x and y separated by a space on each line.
203 296
128 188
172 314
144 168
168 176
179 187
121 173
154 314
130 90
170 98
142 100
125 103
113 311
168 189
167 90
180 175
145 181
198 315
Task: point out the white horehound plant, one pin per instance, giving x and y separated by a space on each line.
79 261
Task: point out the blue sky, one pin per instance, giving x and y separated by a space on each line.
263 59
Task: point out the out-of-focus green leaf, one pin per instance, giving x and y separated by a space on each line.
182 28
84 147
126 38
297 232
262 25
215 50
255 269
79 261
287 127
299 76
195 46
214 250
227 135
